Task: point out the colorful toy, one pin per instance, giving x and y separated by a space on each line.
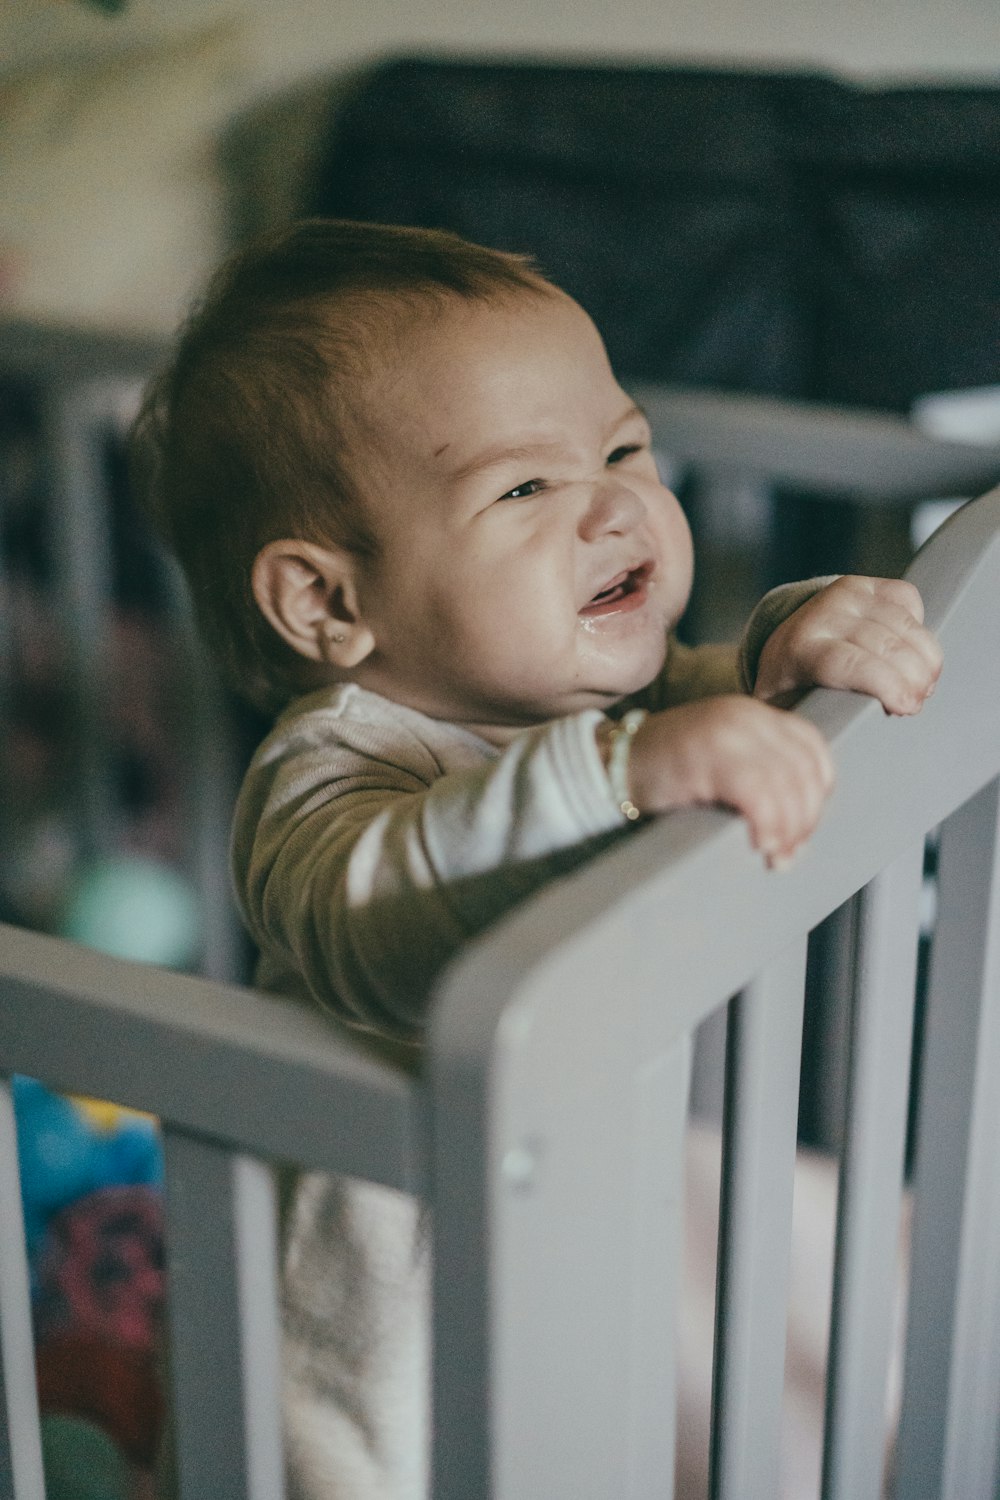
62 1156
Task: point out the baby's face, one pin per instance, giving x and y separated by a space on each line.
529 560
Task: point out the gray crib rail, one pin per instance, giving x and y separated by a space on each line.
237 1079
548 1135
874 458
558 1067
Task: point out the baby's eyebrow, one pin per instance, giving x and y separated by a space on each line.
635 410
520 453
527 452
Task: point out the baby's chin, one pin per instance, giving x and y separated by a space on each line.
503 720
624 680
604 696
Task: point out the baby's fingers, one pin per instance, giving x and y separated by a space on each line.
895 658
783 803
899 667
896 617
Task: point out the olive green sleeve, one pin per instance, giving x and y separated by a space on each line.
692 672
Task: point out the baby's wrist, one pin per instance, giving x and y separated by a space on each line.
615 741
771 678
770 614
780 681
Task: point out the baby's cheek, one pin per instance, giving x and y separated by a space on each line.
678 571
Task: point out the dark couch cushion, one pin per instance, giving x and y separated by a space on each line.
783 233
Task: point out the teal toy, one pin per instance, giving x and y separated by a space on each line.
81 1461
133 907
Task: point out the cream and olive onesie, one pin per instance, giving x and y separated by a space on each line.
370 842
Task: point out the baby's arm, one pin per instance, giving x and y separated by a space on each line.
363 870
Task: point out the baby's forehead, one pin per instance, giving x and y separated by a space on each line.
473 379
444 332
398 337
394 328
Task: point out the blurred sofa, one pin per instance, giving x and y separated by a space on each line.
786 233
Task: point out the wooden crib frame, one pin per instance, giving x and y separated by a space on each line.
547 1133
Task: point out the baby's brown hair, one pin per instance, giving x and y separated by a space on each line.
246 435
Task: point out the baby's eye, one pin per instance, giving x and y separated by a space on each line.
522 491
625 451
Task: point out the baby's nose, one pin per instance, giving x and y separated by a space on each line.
612 506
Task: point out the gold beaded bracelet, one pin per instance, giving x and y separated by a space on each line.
619 748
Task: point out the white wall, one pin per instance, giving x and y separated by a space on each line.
111 208
287 40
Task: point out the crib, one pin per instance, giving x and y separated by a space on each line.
547 1132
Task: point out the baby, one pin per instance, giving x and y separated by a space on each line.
423 524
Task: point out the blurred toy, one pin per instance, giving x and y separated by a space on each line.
115 1387
100 1274
62 1156
97 1314
133 907
81 1461
106 1117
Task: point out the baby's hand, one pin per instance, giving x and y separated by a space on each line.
866 634
772 767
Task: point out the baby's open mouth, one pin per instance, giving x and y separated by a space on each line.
626 590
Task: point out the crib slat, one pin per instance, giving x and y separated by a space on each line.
223 1317
871 1181
762 1078
658 1109
587 1266
256 1226
83 556
949 1429
832 948
7 660
557 1249
21 1473
974 1412
210 788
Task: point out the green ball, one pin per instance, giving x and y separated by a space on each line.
81 1462
133 907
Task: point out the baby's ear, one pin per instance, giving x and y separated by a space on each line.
308 594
